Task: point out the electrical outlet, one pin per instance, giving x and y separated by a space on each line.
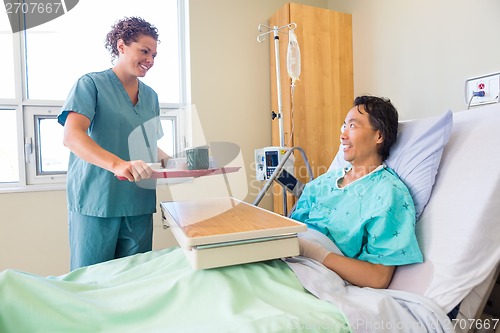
490 84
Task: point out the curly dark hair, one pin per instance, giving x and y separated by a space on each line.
383 117
128 29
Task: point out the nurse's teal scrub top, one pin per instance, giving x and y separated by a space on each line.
371 219
119 127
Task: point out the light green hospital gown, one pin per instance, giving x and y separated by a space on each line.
119 127
371 219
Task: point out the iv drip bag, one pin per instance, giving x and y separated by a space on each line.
293 57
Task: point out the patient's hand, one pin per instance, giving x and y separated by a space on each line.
312 250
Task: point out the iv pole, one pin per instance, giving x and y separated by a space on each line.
260 38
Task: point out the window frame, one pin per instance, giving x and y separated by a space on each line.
27 111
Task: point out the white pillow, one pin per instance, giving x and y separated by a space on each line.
416 155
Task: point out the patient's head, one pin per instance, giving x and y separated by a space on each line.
383 117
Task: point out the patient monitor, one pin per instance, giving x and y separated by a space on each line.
268 158
267 161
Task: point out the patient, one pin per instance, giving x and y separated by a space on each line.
365 209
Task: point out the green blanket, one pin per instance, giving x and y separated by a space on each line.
159 292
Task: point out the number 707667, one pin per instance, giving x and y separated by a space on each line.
486 323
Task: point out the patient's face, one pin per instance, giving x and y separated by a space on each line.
359 140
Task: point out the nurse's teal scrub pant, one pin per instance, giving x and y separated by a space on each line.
95 239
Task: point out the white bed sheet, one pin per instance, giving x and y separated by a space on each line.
371 310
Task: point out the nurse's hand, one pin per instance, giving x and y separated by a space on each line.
134 171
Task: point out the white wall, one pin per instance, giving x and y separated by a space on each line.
416 52
420 52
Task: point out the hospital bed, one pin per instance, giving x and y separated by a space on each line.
459 233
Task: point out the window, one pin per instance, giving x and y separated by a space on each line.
166 143
7 84
9 157
82 50
45 156
51 157
46 61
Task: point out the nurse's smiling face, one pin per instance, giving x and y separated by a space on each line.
359 140
138 57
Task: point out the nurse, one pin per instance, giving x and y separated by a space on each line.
365 209
111 218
